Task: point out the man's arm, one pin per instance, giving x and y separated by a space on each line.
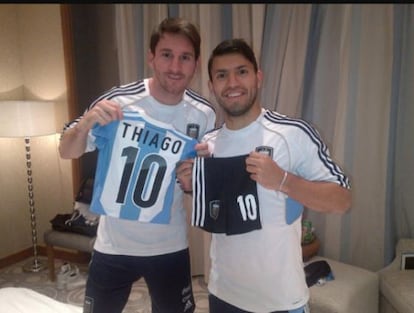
316 195
73 142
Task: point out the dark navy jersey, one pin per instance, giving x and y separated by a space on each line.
224 196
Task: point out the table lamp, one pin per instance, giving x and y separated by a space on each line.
28 119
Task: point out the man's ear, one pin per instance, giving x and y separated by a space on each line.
150 58
197 70
259 75
210 86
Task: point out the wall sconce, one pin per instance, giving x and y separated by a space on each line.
28 119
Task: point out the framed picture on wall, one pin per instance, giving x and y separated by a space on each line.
407 261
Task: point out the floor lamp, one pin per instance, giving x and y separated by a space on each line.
28 119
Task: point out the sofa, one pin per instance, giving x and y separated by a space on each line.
353 290
396 284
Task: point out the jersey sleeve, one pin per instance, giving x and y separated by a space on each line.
312 159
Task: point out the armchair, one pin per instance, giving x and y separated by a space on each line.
396 284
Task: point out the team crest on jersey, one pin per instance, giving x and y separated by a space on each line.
214 209
265 150
193 130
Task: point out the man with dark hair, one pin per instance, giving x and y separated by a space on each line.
255 219
142 130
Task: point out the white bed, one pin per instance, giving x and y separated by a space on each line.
23 300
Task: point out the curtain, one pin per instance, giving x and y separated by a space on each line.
401 170
351 66
351 81
348 70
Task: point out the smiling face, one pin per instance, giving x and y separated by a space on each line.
235 84
173 64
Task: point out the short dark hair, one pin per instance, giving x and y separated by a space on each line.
229 46
176 25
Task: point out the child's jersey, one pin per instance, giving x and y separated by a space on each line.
224 196
136 167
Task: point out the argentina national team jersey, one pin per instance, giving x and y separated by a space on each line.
225 198
136 168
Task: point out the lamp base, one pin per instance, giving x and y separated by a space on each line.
34 266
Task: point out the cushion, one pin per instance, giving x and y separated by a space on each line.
398 288
69 240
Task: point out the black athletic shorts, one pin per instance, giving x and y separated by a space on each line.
167 276
225 198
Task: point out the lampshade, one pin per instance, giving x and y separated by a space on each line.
27 118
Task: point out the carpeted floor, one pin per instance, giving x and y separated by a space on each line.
139 301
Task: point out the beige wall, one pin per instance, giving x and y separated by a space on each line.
32 68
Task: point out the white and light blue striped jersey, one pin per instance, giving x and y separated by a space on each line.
135 174
193 116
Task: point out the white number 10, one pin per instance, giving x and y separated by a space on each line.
248 207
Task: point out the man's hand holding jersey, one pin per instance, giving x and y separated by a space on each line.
262 168
265 171
102 113
184 168
73 141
